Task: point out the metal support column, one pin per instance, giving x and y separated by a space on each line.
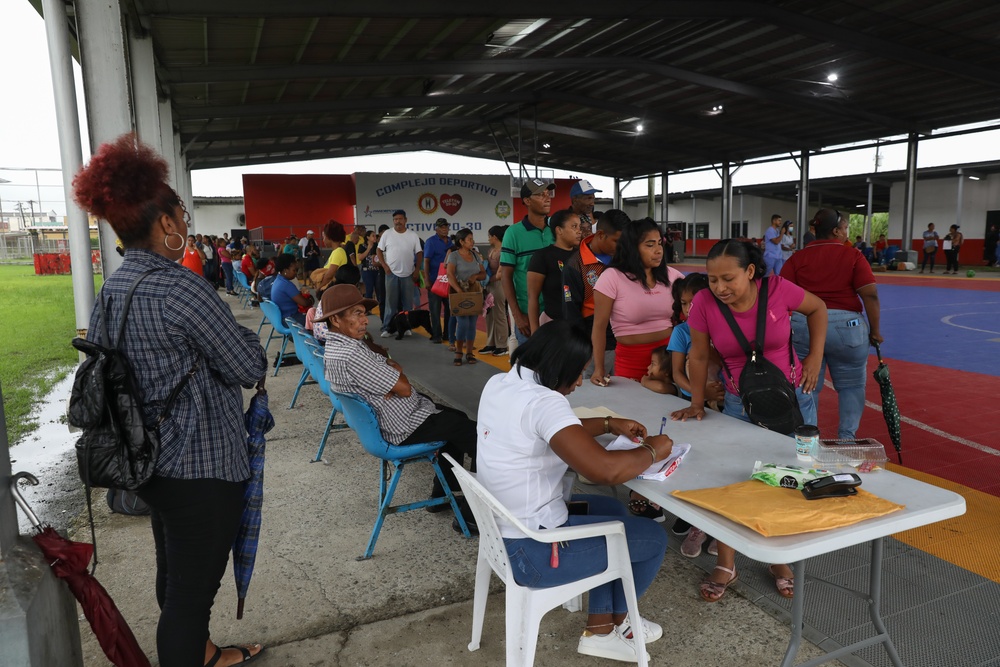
168 139
664 204
868 214
618 193
958 204
694 225
106 82
651 197
803 203
144 93
909 197
727 201
71 157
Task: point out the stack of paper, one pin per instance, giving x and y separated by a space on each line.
661 469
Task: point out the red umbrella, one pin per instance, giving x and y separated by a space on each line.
69 561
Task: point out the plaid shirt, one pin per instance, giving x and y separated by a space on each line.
176 318
351 368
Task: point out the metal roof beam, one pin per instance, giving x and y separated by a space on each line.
367 104
636 142
198 74
323 130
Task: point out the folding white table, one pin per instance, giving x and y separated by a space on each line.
723 451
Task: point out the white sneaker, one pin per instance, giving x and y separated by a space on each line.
612 646
408 333
651 631
385 334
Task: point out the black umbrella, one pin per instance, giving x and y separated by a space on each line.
258 422
890 408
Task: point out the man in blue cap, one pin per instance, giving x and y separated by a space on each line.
582 202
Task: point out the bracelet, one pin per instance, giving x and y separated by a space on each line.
649 448
607 424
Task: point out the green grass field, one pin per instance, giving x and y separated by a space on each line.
37 323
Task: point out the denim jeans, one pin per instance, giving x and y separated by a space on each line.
397 290
846 354
733 407
578 559
434 305
369 278
465 328
227 269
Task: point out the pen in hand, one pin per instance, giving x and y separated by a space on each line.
663 425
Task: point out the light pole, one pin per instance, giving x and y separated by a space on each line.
2 228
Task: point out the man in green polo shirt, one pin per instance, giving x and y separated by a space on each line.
519 243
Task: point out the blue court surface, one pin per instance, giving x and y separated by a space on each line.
949 328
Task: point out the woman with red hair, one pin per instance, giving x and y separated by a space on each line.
177 325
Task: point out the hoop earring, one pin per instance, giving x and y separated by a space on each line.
177 234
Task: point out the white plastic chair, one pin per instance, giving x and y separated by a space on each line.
526 606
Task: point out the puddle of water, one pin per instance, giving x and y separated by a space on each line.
48 454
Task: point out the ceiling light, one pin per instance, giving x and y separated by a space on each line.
973 178
714 111
546 145
831 77
638 128
860 205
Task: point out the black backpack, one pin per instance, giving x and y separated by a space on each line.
767 395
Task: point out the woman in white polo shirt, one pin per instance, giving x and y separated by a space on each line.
528 437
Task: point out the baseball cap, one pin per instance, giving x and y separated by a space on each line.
309 233
341 297
441 222
533 186
583 188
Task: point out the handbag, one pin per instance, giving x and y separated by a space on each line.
767 396
440 286
466 303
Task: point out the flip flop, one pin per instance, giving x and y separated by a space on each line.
785 585
712 591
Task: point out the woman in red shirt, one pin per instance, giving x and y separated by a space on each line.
840 276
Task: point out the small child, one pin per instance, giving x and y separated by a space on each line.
680 344
658 377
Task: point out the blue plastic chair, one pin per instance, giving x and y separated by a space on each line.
303 352
245 292
278 330
361 417
317 370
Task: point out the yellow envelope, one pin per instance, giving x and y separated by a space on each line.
772 511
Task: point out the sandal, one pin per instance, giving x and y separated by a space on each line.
470 358
785 585
451 348
642 507
712 591
244 651
458 359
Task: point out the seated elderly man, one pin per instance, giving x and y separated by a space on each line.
405 417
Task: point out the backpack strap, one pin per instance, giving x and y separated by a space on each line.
738 333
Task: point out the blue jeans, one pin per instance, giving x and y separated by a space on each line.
465 328
733 407
846 354
578 559
369 278
227 269
397 290
452 325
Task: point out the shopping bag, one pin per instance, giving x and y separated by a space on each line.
440 286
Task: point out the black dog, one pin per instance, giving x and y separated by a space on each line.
409 319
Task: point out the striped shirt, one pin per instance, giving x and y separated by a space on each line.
352 368
176 318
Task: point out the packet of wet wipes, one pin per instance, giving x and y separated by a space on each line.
785 476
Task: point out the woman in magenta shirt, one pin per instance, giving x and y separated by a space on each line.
734 271
634 293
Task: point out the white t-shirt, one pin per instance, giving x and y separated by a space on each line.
303 242
517 418
400 251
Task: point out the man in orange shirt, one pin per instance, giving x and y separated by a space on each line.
581 272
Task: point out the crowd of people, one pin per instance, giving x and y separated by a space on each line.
573 295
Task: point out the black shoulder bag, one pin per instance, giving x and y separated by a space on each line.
767 395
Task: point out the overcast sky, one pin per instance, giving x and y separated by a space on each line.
29 140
